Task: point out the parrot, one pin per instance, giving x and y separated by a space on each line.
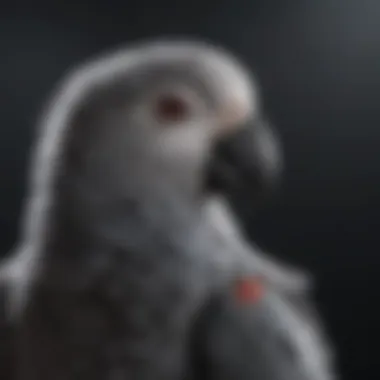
115 255
118 229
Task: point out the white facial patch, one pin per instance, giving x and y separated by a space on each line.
187 144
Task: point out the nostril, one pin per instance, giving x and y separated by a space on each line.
233 116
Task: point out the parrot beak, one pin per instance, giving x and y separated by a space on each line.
246 162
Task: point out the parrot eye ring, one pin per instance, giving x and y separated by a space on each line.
171 107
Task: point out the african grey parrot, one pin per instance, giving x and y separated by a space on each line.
116 203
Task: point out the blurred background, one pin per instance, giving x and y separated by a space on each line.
318 63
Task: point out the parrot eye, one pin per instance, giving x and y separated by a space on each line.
171 108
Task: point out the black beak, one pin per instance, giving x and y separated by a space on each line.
246 163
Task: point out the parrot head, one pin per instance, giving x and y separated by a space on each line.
170 117
168 113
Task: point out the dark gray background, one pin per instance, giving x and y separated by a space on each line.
318 62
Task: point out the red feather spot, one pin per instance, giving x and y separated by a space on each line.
249 290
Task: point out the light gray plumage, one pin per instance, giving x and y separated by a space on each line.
114 256
116 202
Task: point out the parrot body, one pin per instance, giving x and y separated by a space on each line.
124 261
118 258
